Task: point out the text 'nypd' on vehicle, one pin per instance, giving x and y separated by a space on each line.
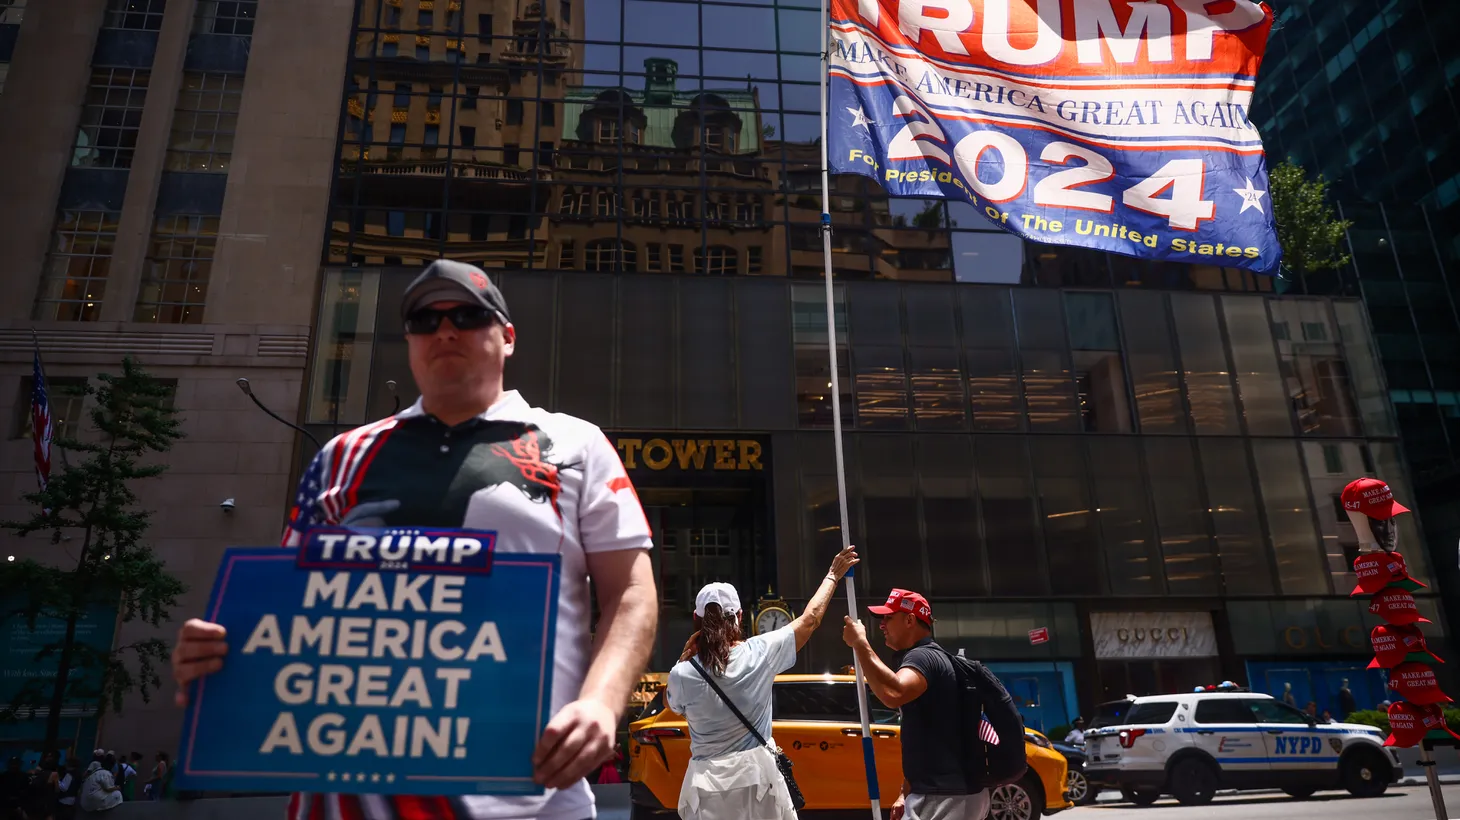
1191 745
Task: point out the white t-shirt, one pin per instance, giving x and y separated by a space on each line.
1075 736
550 483
99 790
713 728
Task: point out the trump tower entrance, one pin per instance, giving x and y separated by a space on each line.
708 502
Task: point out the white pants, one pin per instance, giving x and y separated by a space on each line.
947 806
738 786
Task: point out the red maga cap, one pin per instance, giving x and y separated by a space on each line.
1410 722
902 600
1377 570
1416 683
1373 498
1396 606
1394 644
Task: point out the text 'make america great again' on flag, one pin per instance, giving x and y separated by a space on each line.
1120 125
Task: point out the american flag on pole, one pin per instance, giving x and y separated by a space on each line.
986 732
40 422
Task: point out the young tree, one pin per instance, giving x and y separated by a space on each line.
92 499
1311 234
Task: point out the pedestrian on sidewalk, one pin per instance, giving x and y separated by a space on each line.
470 454
1077 733
925 687
100 792
722 686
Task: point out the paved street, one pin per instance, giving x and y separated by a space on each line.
1403 803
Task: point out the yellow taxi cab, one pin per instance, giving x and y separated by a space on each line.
816 724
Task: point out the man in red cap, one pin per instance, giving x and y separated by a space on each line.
925 688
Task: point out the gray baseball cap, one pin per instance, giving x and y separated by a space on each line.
448 281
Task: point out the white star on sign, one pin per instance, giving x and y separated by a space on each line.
1251 198
859 118
330 776
390 778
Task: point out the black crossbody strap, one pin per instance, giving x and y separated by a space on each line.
727 701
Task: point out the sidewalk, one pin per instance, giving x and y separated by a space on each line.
613 804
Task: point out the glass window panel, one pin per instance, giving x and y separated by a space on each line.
1204 364
1315 374
1049 391
800 31
930 316
1246 568
706 355
1070 537
937 389
671 24
1041 321
585 378
890 513
950 516
339 387
881 388
1120 508
1181 518
1152 362
822 516
739 27
993 390
1091 318
1390 466
1103 397
1259 382
988 321
1007 502
987 256
1368 384
876 314
1294 540
1331 465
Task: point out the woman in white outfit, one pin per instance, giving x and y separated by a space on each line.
731 775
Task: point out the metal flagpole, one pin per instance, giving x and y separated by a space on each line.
869 760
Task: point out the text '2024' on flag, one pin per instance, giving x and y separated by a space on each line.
1120 125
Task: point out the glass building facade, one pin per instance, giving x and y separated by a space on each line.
1119 451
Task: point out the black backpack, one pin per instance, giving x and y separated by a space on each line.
983 699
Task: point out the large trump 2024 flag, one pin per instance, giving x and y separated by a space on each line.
1121 125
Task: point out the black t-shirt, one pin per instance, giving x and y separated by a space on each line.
931 730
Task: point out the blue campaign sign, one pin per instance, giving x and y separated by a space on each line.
384 672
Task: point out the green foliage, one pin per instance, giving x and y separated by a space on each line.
91 499
1059 733
1311 234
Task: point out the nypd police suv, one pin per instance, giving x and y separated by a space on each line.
1191 745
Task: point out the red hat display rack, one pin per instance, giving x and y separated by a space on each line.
1415 717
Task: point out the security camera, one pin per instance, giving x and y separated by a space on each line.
228 505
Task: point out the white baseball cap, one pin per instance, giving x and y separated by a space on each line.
718 593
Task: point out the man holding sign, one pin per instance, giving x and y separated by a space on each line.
467 458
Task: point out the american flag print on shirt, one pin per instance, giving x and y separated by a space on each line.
330 485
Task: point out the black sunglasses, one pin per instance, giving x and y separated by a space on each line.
463 317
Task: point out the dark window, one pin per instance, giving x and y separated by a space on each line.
548 113
545 155
1151 713
179 262
517 226
402 95
111 118
235 17
510 154
1049 394
74 282
1068 517
1223 710
945 467
566 11
1181 518
1007 501
468 137
424 20
138 15
484 27
891 511
66 395
1240 546
1273 711
1259 381
1121 508
1152 362
469 101
1204 364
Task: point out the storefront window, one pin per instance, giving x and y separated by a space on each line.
340 380
1259 382
1289 517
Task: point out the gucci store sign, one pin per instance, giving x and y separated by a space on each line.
1153 634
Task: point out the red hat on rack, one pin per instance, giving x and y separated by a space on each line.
1416 683
1377 570
1410 722
1394 644
1373 498
1396 606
